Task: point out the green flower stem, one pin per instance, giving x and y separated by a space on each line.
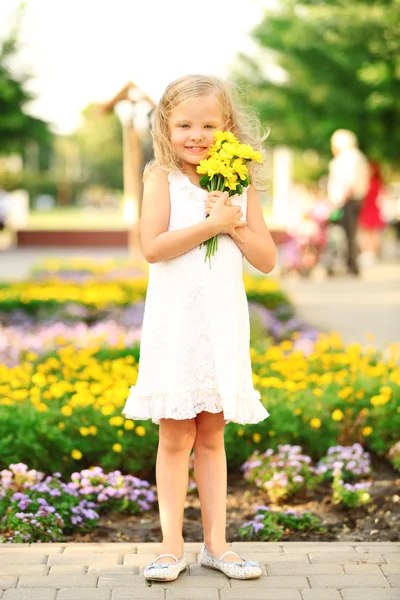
217 183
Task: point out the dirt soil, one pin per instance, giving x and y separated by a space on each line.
378 521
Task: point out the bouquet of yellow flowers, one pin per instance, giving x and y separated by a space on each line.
225 170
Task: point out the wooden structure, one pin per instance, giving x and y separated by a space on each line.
130 97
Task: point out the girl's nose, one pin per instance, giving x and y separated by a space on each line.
196 136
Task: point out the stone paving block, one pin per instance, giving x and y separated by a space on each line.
320 595
276 558
79 594
192 594
156 547
394 580
256 547
58 581
273 594
139 593
6 581
67 570
355 569
391 557
199 571
393 569
344 557
23 558
31 548
30 594
205 582
115 570
291 581
84 559
346 581
294 568
370 594
317 544
18 570
140 560
119 548
309 547
378 547
191 557
116 581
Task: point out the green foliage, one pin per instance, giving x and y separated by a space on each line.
339 67
99 139
17 127
270 526
350 495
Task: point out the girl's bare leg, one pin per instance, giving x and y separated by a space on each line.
211 477
176 440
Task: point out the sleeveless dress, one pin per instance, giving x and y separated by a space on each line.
195 345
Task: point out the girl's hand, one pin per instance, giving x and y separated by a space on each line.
211 200
226 216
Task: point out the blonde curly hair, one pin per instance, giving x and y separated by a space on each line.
243 124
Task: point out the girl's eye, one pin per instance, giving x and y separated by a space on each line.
210 126
184 125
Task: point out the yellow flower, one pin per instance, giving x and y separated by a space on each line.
257 157
317 392
271 433
240 432
315 422
140 430
232 182
367 431
76 454
84 431
298 411
61 425
129 424
93 430
117 447
379 400
66 410
240 168
116 421
256 437
337 415
386 390
246 151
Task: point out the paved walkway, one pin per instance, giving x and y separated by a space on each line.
354 307
292 571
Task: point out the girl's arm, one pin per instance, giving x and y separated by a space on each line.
157 243
258 246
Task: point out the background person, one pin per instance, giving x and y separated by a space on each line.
370 220
348 183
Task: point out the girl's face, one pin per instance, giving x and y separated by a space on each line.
191 127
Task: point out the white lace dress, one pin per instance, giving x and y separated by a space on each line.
194 352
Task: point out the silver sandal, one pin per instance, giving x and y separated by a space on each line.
165 571
236 570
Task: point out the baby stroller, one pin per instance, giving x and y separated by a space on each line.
334 257
306 242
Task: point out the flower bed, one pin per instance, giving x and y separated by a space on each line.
64 410
69 352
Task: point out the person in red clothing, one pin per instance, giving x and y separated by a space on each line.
370 220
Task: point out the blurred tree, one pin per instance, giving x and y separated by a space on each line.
18 129
328 64
99 139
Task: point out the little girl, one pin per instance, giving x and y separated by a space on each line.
195 371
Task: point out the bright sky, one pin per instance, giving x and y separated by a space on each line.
86 50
